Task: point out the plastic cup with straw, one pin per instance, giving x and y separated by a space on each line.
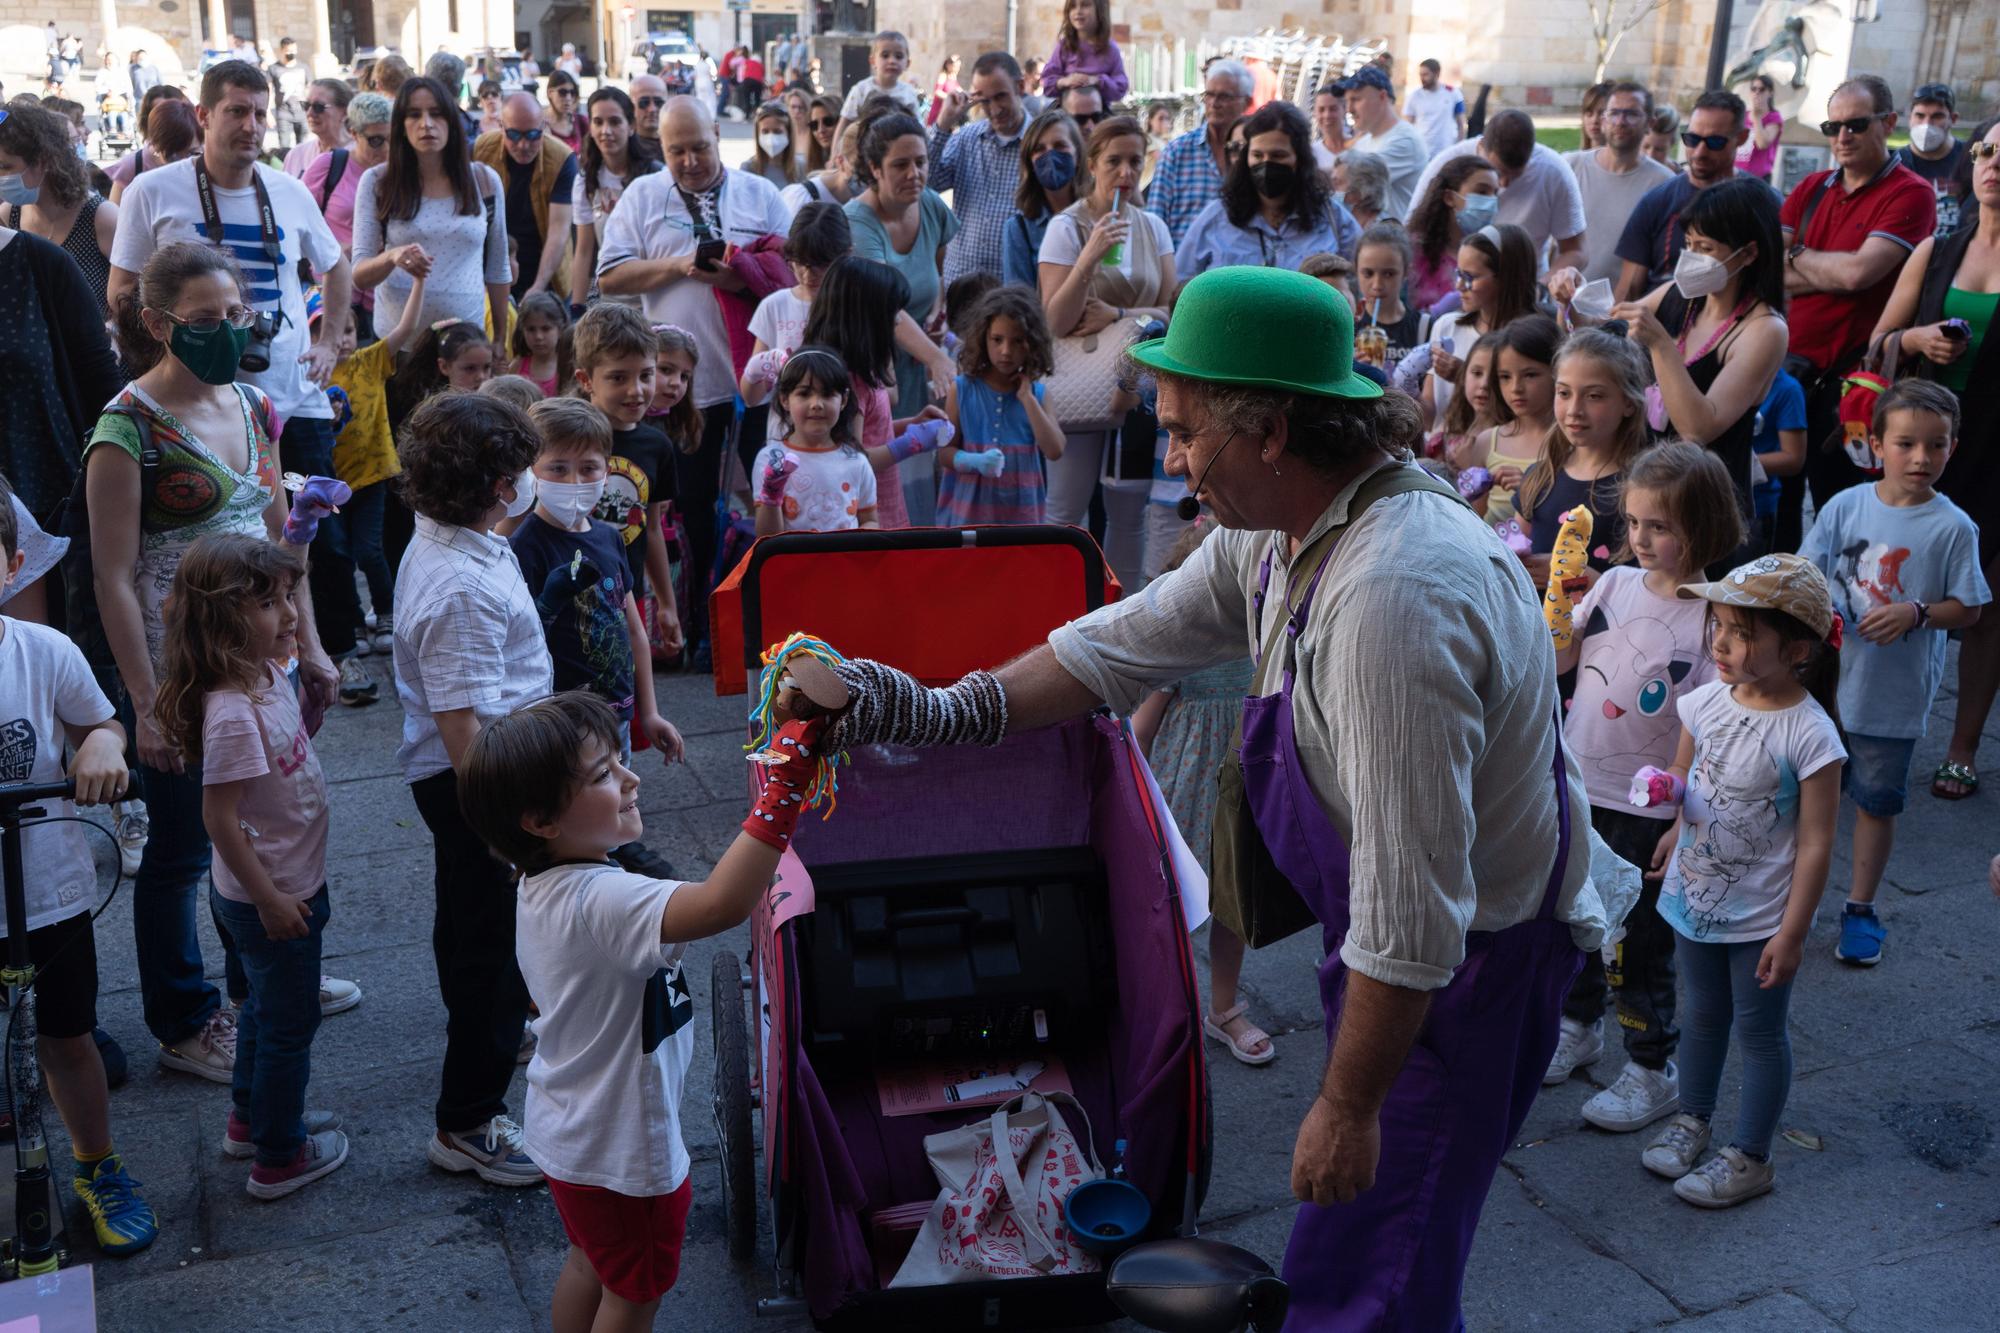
1116 254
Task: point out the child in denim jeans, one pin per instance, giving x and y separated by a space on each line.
224 702
1903 564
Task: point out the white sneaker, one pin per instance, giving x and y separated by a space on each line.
1578 1046
1725 1180
1674 1151
320 1154
337 996
236 1131
131 829
492 1150
363 645
1636 1100
209 1053
385 635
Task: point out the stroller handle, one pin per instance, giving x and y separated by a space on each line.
13 795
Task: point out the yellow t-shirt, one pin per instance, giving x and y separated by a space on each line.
364 452
1500 500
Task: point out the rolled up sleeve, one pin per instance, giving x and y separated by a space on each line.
1405 722
1191 618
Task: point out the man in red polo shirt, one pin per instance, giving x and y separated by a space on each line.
1848 232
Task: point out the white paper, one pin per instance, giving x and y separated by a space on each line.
1194 880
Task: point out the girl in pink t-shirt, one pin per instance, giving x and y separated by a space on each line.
225 702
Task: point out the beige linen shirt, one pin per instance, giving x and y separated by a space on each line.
1423 711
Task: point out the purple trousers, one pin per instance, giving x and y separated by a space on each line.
1394 1258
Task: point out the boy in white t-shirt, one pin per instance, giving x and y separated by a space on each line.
601 950
888 57
51 698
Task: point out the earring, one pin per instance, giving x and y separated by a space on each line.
1275 472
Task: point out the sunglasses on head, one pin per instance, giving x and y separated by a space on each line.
648 103
1714 143
1853 125
523 136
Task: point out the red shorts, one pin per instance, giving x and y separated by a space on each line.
633 1244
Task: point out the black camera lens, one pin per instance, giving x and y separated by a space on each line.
256 356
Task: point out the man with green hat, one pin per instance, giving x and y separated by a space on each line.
1401 765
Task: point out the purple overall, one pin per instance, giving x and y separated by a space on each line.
1395 1257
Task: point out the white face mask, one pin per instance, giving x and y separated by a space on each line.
774 143
1928 138
1699 275
570 502
524 494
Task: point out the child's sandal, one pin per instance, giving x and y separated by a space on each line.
1242 1047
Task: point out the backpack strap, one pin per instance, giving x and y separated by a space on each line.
336 167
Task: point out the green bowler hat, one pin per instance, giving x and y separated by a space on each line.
1267 327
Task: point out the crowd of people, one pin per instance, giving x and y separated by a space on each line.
552 364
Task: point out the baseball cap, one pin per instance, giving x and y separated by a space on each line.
1940 93
1368 76
1788 583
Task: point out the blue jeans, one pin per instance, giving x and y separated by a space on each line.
275 1030
307 447
360 521
1720 989
176 997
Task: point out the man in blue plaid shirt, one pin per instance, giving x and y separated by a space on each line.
980 164
1192 166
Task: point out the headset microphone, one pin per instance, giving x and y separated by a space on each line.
1190 508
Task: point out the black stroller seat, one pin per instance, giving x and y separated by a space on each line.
1197 1286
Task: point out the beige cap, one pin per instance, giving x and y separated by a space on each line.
1787 583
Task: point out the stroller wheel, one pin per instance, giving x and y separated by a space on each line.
732 1107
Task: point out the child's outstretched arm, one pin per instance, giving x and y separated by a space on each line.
1819 810
405 332
726 898
646 714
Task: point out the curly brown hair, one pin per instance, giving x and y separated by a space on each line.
456 449
208 628
1024 308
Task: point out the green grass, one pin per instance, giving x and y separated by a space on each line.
1561 138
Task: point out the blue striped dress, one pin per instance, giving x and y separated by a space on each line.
989 419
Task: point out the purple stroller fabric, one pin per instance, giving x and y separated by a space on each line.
1140 1079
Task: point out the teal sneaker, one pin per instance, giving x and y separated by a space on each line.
1861 935
122 1218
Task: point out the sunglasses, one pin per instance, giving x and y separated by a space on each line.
1714 143
376 141
824 122
1982 150
238 317
1853 124
649 103
523 136
319 108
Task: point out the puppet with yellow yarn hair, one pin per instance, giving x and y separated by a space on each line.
1568 561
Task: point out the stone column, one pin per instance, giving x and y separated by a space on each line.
323 62
218 25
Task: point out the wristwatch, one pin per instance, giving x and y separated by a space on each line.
1923 614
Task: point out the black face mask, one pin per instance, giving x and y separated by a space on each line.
1274 180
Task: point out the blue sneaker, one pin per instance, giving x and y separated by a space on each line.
1861 933
120 1215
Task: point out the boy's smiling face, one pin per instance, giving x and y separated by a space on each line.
621 388
602 814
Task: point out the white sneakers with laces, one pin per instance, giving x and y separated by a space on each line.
209 1053
1638 1098
493 1151
1725 1180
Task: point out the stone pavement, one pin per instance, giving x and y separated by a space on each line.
1894 1225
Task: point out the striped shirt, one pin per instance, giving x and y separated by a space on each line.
1185 180
982 170
989 419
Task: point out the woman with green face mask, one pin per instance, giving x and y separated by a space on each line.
184 332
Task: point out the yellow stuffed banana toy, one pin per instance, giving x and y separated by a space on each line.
1567 563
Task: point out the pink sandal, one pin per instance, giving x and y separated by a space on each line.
1216 1026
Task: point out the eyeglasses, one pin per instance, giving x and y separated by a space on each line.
1222 97
1715 143
1983 149
523 136
376 141
319 108
237 317
1463 280
1853 124
820 122
648 103
1627 114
